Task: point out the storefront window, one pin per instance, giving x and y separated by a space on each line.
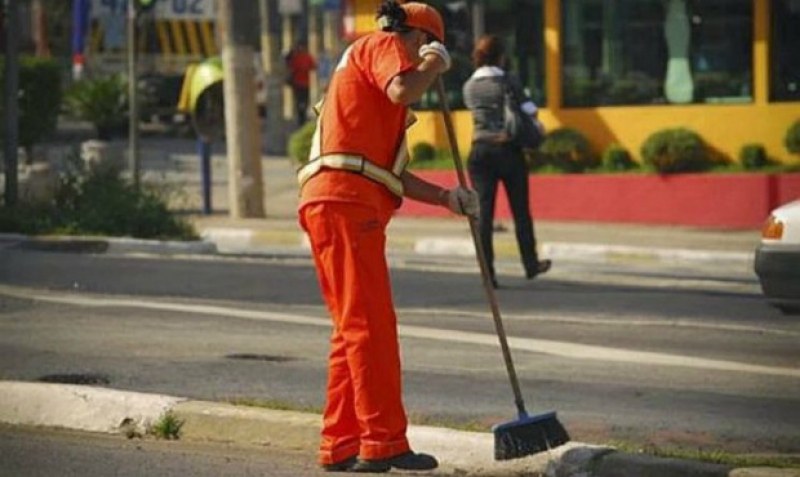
518 22
624 52
785 48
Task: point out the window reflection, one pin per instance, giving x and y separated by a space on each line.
785 48
518 22
626 52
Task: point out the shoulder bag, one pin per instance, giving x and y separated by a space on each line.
520 127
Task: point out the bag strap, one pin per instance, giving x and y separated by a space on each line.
509 87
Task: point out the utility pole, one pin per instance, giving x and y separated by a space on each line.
245 183
11 102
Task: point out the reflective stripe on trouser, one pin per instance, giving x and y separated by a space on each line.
364 411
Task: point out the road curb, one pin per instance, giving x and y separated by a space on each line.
461 453
82 408
239 240
113 245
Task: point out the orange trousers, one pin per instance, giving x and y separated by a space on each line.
364 412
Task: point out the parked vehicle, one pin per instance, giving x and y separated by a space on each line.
777 260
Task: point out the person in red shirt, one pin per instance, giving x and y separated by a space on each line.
300 64
352 184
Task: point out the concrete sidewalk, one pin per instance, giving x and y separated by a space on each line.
460 453
173 165
594 242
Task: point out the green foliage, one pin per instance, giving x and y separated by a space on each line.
753 156
40 98
565 149
98 201
423 151
617 158
168 427
792 138
300 143
102 101
675 150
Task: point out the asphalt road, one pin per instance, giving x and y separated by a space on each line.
629 356
54 453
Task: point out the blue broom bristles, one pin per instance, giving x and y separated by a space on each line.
528 435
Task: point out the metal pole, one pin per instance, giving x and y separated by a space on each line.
11 102
267 40
204 151
133 106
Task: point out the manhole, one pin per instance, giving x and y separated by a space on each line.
84 379
260 357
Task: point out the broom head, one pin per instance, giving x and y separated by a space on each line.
528 435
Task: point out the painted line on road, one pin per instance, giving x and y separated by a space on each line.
599 319
550 347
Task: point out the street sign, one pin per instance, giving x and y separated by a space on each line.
164 9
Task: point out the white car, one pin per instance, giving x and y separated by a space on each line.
777 261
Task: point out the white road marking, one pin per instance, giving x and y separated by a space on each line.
550 347
601 319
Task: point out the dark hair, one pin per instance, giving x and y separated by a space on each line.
392 17
489 50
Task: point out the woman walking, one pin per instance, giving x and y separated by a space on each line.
494 158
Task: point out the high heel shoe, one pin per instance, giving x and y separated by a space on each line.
542 266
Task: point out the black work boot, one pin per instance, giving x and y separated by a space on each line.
408 461
341 466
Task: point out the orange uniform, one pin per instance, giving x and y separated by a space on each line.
345 213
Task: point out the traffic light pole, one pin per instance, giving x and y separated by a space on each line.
133 100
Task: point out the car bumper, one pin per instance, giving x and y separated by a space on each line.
778 269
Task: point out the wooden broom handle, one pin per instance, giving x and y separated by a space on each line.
473 227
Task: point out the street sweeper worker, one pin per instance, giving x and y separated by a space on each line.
352 184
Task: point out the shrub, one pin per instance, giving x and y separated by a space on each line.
101 101
300 143
40 98
423 151
675 150
566 149
98 202
792 139
753 156
617 158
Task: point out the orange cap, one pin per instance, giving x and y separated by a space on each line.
424 17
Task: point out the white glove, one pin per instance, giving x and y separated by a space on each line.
463 201
438 49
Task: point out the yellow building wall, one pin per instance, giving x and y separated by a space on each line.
725 128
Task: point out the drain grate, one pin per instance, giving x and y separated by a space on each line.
260 357
76 378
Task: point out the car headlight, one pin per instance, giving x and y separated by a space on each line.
773 229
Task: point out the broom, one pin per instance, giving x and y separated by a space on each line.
527 434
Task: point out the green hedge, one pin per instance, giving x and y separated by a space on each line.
792 138
617 158
97 202
675 150
567 150
300 143
40 96
753 156
102 101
